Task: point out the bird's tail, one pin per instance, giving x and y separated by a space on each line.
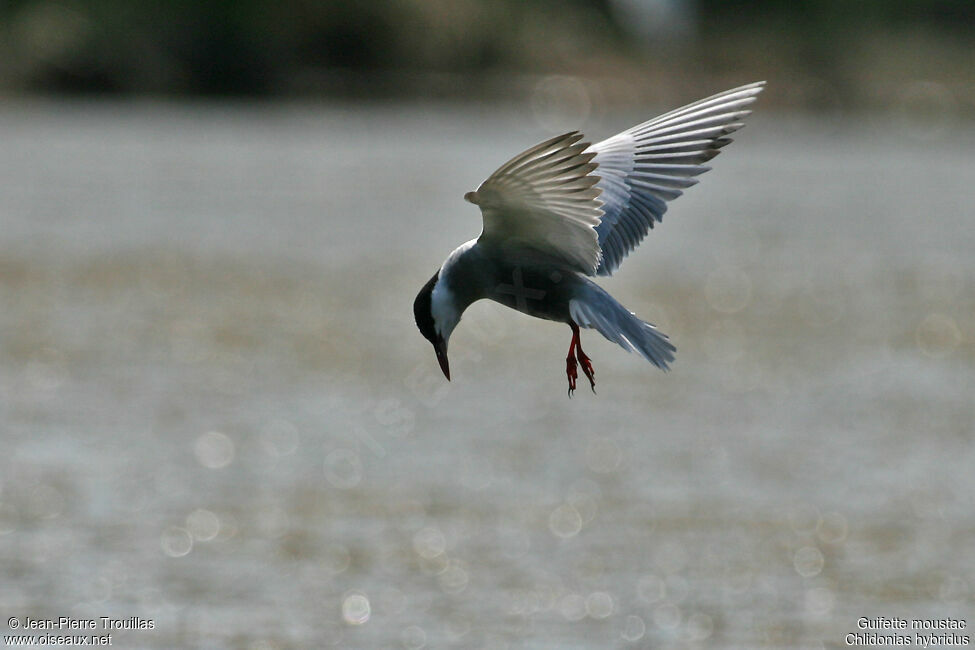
597 309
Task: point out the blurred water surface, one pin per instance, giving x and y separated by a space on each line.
217 412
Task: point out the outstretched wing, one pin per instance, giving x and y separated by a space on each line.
643 168
545 199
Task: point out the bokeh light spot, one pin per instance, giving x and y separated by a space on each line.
804 518
454 579
565 521
355 608
435 565
582 496
633 628
573 607
808 561
203 525
176 542
603 455
819 601
599 604
429 542
651 589
214 450
413 637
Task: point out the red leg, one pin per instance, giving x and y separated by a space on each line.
586 364
570 361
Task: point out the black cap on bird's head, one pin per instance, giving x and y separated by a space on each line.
423 313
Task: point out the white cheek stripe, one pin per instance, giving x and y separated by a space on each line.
442 304
442 308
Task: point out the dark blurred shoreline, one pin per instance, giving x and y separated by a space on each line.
918 101
815 54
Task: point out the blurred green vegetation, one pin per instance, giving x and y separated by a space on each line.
390 47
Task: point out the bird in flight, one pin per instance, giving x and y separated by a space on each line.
565 211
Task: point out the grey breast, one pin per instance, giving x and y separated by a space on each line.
542 291
524 279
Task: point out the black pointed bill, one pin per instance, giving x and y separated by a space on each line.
441 348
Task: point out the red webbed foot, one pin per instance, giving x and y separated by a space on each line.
577 356
586 367
570 371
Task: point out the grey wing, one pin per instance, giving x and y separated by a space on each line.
644 167
546 199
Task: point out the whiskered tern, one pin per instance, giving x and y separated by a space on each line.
565 211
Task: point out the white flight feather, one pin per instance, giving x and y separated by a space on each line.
644 167
545 198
